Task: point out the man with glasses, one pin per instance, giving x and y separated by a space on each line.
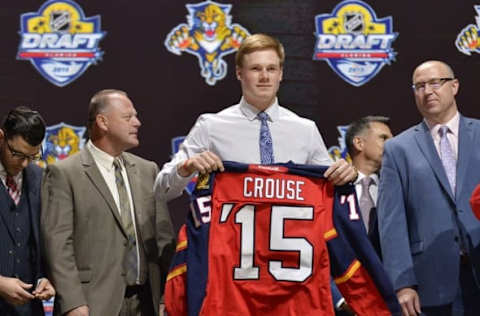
22 281
429 237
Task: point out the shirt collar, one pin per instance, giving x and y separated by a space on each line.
373 176
453 125
251 112
102 158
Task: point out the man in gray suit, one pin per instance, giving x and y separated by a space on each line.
22 279
108 241
429 237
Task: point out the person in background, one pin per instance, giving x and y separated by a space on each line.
365 139
108 240
428 234
22 279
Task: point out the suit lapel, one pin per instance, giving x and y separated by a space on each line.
4 200
99 183
465 141
427 147
29 179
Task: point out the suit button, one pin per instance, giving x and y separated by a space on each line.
456 238
19 244
12 208
18 260
125 243
10 252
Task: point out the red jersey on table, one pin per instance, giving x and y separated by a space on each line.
261 239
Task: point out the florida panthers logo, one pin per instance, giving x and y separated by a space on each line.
62 140
209 35
60 41
468 40
354 43
340 151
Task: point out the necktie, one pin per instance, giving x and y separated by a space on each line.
447 156
366 201
266 146
130 260
13 189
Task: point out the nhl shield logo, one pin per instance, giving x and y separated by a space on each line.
354 42
60 42
61 141
209 35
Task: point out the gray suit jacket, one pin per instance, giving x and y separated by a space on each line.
419 214
83 237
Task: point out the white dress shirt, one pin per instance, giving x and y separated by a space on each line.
452 135
233 134
373 189
104 163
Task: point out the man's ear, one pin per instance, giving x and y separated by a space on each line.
102 122
358 143
2 135
238 72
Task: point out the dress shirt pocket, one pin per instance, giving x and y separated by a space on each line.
416 247
85 275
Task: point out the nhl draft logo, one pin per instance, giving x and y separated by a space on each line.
354 42
60 41
61 140
467 41
209 35
339 152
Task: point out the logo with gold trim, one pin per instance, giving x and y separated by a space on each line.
354 42
209 35
61 141
468 41
60 42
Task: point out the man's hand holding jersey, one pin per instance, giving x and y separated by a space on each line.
339 173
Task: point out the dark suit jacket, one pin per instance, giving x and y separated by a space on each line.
85 241
32 177
419 214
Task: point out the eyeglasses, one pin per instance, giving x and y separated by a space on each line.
21 156
435 83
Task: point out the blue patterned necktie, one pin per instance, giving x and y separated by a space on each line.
447 156
130 260
266 146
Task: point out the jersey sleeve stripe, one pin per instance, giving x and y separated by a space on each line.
349 273
179 270
332 233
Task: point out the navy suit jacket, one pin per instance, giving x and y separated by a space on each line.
32 177
418 213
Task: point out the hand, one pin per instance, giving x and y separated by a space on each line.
409 300
341 172
14 291
161 310
204 162
44 290
78 311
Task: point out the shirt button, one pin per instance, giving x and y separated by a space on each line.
18 229
19 244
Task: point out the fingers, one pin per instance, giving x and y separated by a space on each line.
409 301
340 172
44 290
204 162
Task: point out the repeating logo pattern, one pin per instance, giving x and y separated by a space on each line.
467 40
340 151
354 42
60 42
61 141
209 35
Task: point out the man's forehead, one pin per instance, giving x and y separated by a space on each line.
430 69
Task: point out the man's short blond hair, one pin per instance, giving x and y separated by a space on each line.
258 42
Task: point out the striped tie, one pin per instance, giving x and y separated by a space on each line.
130 260
13 189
